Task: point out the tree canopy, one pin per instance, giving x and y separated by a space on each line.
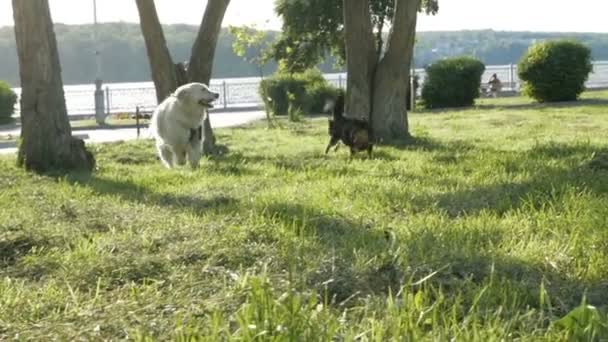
312 29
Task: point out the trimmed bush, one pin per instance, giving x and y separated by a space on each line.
452 82
8 98
307 91
555 70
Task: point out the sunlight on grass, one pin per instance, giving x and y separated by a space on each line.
490 225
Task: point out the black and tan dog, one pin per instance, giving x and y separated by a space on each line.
353 133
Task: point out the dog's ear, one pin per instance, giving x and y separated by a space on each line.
181 93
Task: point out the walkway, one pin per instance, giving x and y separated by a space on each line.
101 135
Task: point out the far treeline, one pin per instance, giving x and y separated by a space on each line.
124 54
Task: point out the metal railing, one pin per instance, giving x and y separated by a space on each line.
240 93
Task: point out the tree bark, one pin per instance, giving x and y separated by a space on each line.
377 86
161 64
201 59
393 74
361 58
47 143
203 49
168 76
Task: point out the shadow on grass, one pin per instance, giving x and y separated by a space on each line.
523 106
547 183
15 246
461 267
427 144
340 237
535 105
464 268
395 261
130 191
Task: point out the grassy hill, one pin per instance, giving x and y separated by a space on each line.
124 59
490 225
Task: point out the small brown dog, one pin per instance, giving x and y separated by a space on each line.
352 132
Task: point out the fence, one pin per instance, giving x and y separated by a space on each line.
240 93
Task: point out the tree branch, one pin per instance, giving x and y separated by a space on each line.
203 50
404 22
161 64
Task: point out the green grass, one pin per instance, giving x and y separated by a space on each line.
491 225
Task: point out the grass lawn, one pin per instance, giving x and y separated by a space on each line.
491 225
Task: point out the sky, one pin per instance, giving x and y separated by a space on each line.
500 15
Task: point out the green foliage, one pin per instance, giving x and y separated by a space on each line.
307 91
294 113
555 70
8 98
314 29
452 82
252 45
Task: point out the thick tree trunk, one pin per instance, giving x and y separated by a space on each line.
203 49
161 64
168 76
377 89
360 58
201 59
389 117
47 142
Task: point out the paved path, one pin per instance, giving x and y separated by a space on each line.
102 135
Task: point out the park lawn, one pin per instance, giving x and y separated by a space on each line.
491 225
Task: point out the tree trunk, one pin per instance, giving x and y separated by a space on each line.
161 64
361 58
201 59
168 76
393 74
47 143
377 88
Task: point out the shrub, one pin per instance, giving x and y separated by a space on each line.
8 98
309 92
555 70
452 82
294 113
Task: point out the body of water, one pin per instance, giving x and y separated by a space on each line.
243 92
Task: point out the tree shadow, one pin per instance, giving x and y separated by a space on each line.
594 102
132 192
601 102
428 144
431 251
15 246
394 260
546 182
339 236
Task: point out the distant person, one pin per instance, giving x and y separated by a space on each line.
495 85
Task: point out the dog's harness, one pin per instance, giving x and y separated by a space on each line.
196 133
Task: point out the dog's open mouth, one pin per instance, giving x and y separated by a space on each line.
206 104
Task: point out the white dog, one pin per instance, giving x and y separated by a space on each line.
177 124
